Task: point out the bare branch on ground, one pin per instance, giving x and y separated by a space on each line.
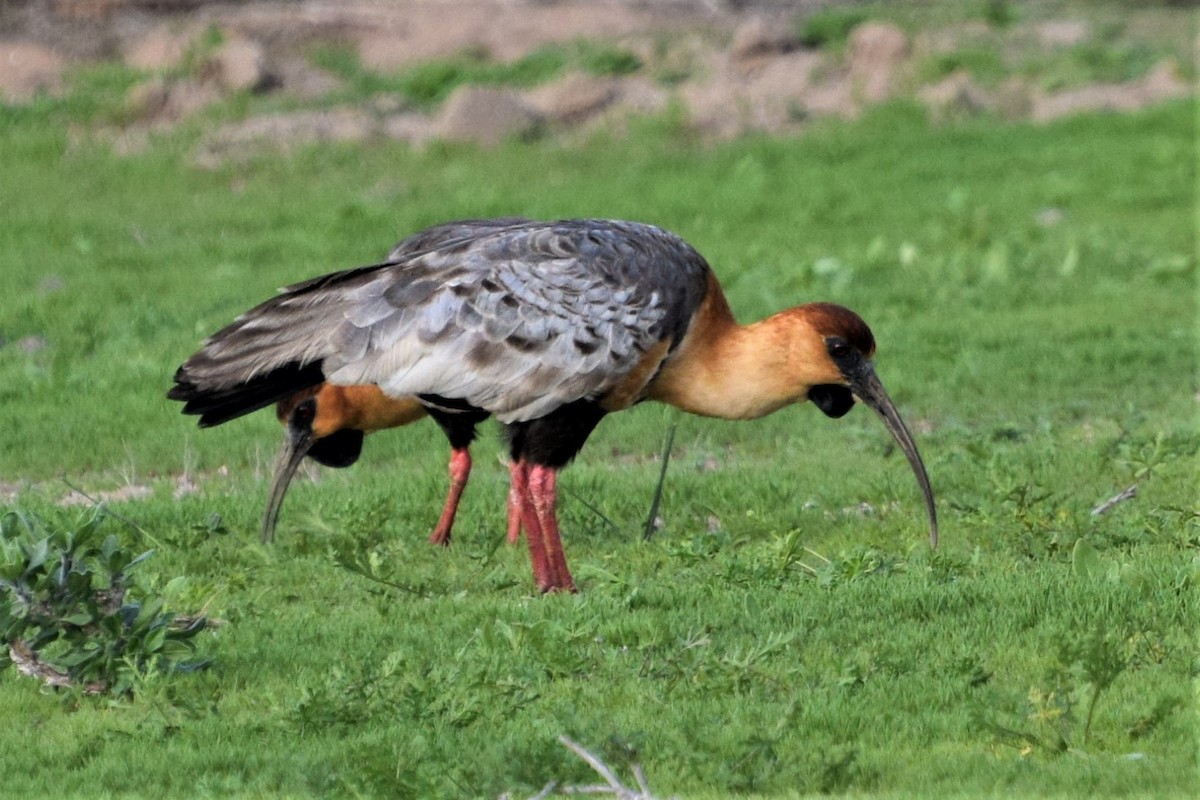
1108 504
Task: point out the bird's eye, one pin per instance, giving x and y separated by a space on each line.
839 348
304 414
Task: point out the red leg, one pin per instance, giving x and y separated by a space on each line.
514 504
543 490
542 574
460 470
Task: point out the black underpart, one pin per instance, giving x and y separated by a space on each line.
216 406
432 401
555 439
459 426
833 400
339 449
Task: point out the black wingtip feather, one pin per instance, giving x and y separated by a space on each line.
219 405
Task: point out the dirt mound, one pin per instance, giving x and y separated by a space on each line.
27 68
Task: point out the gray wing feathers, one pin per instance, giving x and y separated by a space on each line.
526 316
450 234
512 316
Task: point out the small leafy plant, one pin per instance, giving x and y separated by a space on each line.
67 614
1059 712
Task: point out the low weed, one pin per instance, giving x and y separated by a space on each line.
71 615
1060 709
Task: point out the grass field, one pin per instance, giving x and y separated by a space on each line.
788 631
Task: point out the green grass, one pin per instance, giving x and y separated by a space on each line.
776 638
828 27
1093 61
427 84
983 62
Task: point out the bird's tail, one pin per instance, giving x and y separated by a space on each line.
216 405
278 348
269 353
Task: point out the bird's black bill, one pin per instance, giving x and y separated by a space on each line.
866 386
296 444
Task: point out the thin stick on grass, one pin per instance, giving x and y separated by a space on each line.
1108 504
99 504
662 476
594 762
546 791
614 787
640 776
592 508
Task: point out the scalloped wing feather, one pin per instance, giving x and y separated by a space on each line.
512 316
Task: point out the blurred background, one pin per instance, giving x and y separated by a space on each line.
487 70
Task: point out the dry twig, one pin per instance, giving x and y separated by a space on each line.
27 663
652 520
614 785
1107 505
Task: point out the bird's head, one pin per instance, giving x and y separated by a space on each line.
310 419
842 371
327 423
309 429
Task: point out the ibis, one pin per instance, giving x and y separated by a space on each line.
546 326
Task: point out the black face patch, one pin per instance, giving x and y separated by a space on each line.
844 354
833 400
340 449
303 415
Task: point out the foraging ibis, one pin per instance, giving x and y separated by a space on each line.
547 326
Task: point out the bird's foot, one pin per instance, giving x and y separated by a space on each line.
567 588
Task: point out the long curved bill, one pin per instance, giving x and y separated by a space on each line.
295 446
864 383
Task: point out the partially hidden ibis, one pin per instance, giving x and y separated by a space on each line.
546 326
